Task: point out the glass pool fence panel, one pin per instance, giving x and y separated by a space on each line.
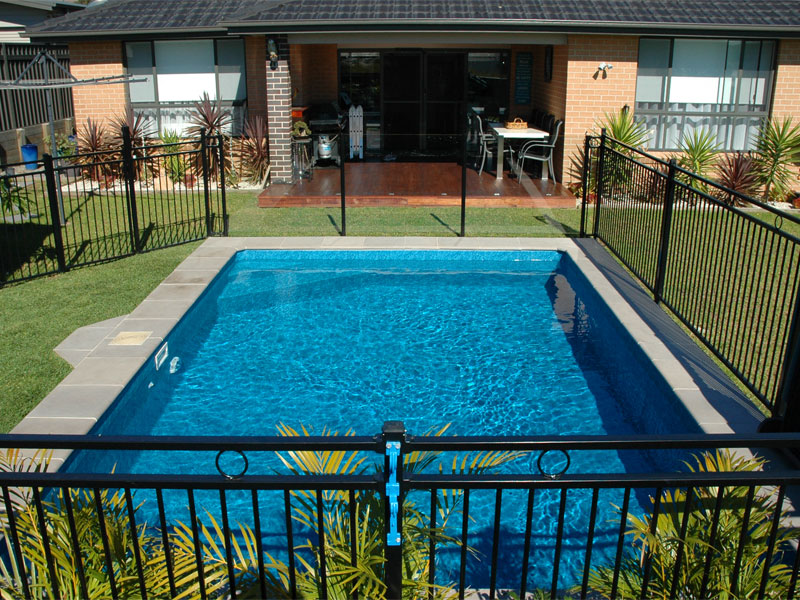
725 264
488 514
403 184
28 245
109 204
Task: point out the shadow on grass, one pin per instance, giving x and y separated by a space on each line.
443 224
23 252
335 226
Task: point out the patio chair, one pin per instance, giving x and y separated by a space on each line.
540 151
488 146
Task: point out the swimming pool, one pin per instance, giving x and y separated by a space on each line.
493 343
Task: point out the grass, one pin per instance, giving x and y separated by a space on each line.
35 316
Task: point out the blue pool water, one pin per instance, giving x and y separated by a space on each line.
491 343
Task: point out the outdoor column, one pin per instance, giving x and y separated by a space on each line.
279 112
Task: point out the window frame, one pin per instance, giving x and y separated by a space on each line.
730 111
158 105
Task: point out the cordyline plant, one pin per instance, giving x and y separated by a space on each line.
252 152
209 117
737 173
711 533
93 138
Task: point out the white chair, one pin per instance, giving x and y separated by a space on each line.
540 151
488 145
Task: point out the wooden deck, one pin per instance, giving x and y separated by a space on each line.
415 184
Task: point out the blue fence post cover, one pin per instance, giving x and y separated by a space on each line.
393 438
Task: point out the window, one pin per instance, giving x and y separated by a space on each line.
176 73
688 84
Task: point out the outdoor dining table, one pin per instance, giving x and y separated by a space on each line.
503 133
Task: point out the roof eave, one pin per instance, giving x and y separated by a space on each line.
477 25
60 36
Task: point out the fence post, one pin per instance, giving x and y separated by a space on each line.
584 184
666 222
601 162
464 174
342 123
128 173
204 162
393 437
787 406
55 213
224 207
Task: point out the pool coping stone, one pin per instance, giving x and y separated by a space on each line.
102 370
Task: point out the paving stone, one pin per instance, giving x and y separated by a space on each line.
77 401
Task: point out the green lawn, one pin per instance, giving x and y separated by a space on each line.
35 316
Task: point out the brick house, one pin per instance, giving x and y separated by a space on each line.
415 64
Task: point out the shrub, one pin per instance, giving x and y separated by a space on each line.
777 149
698 155
702 537
175 164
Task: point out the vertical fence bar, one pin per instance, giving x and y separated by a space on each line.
287 505
526 548
12 527
342 161
130 187
76 545
55 213
221 182
463 182
666 223
498 505
600 177
135 542
462 571
207 197
165 540
323 564
101 521
788 405
584 185
393 437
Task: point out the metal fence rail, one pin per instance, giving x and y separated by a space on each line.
104 205
721 262
377 517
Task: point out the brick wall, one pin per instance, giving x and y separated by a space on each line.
589 97
279 114
255 49
551 96
786 98
100 102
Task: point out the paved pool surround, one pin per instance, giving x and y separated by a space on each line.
107 355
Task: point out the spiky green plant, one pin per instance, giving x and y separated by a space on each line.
698 155
623 127
777 149
662 547
175 164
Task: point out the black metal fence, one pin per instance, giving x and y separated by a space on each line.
97 206
402 516
726 265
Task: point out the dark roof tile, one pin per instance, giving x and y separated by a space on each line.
131 16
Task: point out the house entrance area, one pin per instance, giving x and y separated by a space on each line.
413 99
